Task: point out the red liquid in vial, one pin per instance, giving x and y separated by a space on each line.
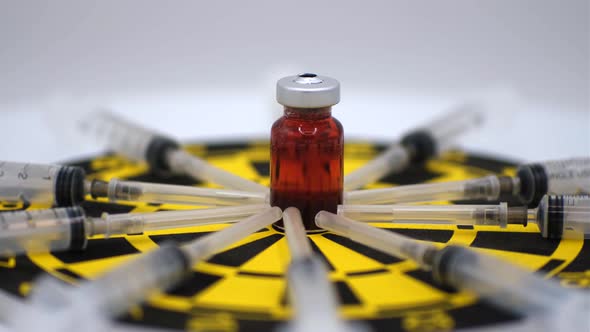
307 162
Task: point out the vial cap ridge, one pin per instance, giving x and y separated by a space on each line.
308 90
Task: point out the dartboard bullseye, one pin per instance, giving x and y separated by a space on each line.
244 288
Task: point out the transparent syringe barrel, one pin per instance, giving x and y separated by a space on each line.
483 188
496 215
117 290
447 128
186 195
498 281
313 297
181 161
119 134
41 231
137 223
395 159
564 216
41 184
388 242
557 177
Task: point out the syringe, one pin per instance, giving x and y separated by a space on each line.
56 185
417 146
570 176
495 280
117 190
558 216
487 215
163 154
50 185
312 295
61 229
563 216
488 188
114 292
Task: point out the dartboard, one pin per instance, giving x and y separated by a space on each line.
244 287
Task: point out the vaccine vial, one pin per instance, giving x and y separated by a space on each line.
307 148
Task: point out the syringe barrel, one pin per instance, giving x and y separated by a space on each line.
497 281
386 241
313 296
130 140
557 177
495 215
564 216
41 184
442 132
185 195
117 290
488 188
42 231
181 161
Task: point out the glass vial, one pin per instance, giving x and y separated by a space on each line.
307 147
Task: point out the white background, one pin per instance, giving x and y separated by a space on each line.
207 69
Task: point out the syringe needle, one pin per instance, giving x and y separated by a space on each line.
312 295
114 292
117 190
495 280
488 188
163 154
417 146
489 215
69 228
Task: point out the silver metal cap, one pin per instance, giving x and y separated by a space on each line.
308 91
